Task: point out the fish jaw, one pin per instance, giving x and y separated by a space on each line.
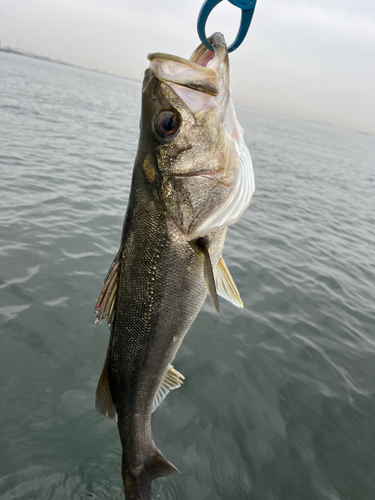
202 81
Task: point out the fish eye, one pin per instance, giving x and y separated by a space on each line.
166 124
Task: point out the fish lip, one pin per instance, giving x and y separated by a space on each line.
217 40
202 55
208 71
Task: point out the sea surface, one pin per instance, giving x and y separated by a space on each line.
278 401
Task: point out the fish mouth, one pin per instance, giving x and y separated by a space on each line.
205 72
206 58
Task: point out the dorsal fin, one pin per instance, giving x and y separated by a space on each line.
171 380
104 403
106 304
225 284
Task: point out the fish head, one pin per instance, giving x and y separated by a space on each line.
189 131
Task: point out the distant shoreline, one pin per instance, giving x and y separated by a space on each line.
10 50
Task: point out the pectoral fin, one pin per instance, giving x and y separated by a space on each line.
225 284
104 403
106 304
208 274
171 380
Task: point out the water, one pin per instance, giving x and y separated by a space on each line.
278 402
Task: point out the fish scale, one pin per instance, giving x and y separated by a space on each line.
149 327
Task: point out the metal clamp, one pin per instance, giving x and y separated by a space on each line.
247 7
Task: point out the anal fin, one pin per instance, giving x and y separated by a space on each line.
171 380
225 284
104 403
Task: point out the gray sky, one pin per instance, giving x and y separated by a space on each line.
315 60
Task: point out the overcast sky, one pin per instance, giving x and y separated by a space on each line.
312 59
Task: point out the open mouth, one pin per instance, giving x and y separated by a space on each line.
203 56
202 72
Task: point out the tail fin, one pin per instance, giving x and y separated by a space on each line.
138 487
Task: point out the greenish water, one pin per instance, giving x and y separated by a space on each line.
278 402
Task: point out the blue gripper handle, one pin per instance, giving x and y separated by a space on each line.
247 7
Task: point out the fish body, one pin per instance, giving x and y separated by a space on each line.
186 170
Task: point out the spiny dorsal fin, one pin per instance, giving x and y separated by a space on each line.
171 380
106 304
104 403
225 284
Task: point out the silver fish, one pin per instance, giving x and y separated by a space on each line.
192 178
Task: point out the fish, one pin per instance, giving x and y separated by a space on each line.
192 178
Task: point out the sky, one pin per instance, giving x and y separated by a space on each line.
313 60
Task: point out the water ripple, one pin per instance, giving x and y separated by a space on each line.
278 398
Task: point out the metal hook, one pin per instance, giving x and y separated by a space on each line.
247 7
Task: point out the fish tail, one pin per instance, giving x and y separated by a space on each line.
137 485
